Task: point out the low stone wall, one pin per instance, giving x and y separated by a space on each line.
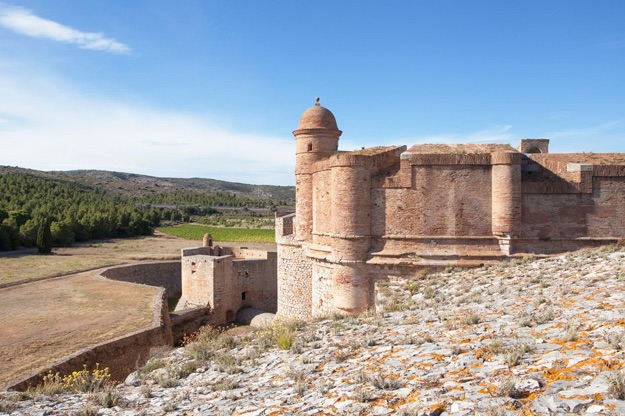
187 322
157 274
121 355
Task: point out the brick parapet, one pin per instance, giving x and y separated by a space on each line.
447 159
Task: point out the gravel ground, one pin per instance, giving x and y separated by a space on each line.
529 337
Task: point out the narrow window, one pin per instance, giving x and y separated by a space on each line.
310 147
243 296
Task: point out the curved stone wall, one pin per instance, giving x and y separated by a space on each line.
157 274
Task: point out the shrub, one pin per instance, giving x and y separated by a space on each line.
87 381
508 389
615 339
108 398
496 346
203 344
616 385
471 319
571 332
227 363
380 382
283 336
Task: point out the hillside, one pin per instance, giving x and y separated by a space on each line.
529 337
135 185
83 205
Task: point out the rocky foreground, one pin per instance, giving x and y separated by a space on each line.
530 337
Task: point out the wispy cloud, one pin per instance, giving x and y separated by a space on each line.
51 126
24 22
591 131
610 45
604 137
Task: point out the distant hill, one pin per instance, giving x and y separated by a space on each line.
143 187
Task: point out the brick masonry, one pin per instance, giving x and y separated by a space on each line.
375 213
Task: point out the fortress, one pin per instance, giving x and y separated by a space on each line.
365 216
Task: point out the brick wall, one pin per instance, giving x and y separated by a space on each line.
570 216
442 201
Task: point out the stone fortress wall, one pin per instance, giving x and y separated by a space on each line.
226 280
366 215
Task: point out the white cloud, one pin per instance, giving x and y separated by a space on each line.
22 21
50 126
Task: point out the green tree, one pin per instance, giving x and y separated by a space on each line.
44 238
5 240
62 233
13 232
28 232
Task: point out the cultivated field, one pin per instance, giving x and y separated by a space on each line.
230 234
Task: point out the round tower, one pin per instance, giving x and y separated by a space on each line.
351 218
506 197
316 138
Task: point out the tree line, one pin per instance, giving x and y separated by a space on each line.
70 212
30 205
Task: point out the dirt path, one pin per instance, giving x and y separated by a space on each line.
46 320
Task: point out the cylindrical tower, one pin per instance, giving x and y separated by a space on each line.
351 224
316 137
506 197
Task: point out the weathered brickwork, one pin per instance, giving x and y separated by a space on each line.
382 212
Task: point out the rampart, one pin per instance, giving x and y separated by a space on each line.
370 214
165 274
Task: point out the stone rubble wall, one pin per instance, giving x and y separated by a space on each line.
294 281
322 297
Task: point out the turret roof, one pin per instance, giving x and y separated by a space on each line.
317 117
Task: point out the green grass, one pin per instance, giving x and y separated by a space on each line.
220 234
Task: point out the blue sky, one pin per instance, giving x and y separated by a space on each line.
214 89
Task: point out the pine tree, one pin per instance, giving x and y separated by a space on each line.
44 238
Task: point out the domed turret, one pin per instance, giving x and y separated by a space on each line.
317 117
316 138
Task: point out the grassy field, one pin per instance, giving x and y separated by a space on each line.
220 234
